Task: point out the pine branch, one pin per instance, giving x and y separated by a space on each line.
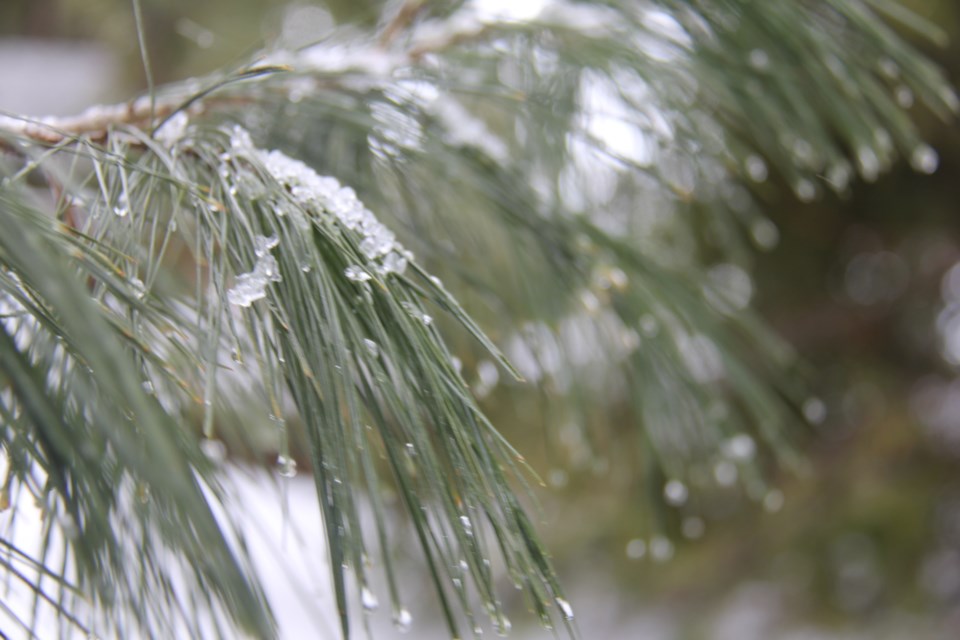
576 176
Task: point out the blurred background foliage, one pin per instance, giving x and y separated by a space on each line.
864 539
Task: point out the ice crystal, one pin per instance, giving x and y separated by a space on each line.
318 194
252 286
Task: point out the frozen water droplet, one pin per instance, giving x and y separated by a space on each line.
368 599
147 387
394 263
305 267
924 159
286 466
402 620
372 347
411 450
675 492
814 410
636 548
740 447
467 525
355 273
263 244
565 608
503 626
249 287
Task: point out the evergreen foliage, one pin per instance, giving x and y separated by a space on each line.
330 230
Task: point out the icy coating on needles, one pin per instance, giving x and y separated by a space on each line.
314 192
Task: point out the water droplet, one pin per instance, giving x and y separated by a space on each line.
357 274
488 376
904 96
411 450
649 326
661 549
139 290
372 347
740 447
636 549
148 387
558 478
565 608
756 168
675 492
305 267
869 163
889 68
725 473
773 501
69 526
924 159
839 176
759 59
806 191
214 449
368 599
693 527
814 410
467 525
503 626
286 466
765 233
402 620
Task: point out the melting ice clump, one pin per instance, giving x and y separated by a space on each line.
252 286
315 192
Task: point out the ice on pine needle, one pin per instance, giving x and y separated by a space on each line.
250 287
315 192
